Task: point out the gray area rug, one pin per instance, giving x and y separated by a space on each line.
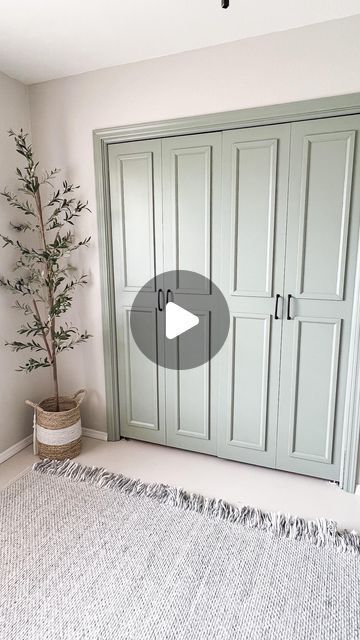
85 553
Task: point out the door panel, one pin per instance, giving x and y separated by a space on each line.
254 168
191 193
255 165
250 343
191 164
136 210
135 176
192 218
193 395
193 388
323 220
193 409
141 375
314 366
324 204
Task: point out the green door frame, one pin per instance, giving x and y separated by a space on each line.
274 114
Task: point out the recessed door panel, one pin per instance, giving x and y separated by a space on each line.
134 173
190 166
313 394
192 210
254 189
250 373
324 214
193 391
141 375
194 410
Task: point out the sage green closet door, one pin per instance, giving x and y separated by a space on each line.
136 214
191 213
322 237
254 209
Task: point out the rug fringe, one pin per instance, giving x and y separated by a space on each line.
320 532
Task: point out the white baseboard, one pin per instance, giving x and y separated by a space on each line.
11 451
92 433
19 446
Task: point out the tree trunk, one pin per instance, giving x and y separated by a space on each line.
54 365
56 383
50 302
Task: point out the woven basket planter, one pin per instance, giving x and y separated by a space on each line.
57 434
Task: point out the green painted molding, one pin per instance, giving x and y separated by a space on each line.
273 114
350 451
107 289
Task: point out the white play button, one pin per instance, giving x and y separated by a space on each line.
178 320
200 306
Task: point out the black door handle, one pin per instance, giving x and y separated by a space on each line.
160 296
288 307
278 296
168 295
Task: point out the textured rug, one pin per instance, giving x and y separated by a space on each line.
85 553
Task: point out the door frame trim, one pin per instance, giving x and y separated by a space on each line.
253 117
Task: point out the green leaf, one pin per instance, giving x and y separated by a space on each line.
16 345
33 364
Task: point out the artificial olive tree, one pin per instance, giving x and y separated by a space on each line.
44 280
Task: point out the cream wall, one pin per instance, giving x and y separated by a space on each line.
15 418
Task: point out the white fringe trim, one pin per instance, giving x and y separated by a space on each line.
319 532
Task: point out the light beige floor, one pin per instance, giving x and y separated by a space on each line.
236 482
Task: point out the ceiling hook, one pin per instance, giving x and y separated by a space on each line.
225 4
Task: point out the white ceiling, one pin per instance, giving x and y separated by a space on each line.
41 40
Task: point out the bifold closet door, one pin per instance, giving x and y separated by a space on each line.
322 238
192 218
136 211
254 209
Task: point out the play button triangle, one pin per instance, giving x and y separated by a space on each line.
178 320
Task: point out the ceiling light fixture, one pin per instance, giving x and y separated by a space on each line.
225 4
